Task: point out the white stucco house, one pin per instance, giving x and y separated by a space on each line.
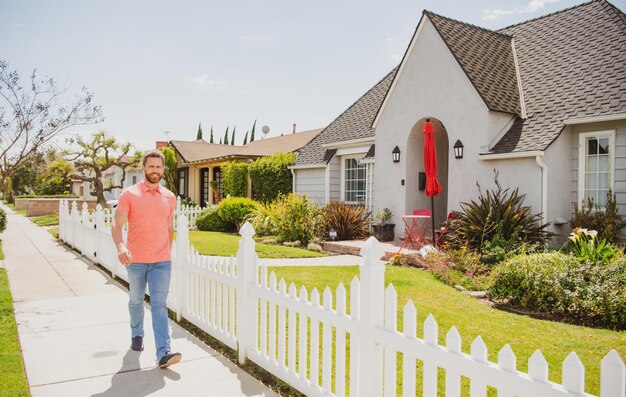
542 102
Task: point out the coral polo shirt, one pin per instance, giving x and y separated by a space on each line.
148 213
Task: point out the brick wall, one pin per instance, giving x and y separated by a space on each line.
46 206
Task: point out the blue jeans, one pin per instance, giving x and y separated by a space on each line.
157 277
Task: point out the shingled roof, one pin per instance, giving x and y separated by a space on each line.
572 64
487 59
354 123
200 150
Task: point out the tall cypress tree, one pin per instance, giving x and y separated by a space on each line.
220 141
245 138
211 140
226 136
232 137
252 135
199 136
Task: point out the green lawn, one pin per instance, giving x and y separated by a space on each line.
1 252
46 220
13 379
226 244
473 318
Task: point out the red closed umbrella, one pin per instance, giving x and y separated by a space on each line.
433 187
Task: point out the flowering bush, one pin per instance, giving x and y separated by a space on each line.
586 246
589 293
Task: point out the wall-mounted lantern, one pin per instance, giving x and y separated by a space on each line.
395 154
458 149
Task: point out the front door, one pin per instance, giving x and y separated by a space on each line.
204 187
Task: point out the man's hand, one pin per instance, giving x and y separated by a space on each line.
123 254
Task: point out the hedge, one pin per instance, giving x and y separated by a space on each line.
271 176
235 179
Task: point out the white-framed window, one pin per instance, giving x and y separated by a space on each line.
596 156
353 180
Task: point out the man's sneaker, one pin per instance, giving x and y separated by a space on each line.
169 359
136 343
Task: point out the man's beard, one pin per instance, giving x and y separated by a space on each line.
155 177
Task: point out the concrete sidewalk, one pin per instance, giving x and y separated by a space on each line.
73 327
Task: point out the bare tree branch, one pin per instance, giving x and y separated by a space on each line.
30 116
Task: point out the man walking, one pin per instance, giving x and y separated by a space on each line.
149 209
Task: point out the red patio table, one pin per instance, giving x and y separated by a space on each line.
415 227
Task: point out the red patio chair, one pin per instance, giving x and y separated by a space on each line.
440 234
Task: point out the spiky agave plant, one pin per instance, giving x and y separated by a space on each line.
496 211
350 221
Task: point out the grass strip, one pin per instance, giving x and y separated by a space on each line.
13 380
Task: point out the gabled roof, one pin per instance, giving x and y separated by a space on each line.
200 150
487 59
572 64
354 123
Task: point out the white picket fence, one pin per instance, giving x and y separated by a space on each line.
190 211
326 348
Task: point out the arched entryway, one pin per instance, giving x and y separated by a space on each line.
416 198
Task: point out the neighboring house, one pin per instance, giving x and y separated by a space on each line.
110 176
543 102
199 162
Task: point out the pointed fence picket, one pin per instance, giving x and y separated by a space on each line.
290 333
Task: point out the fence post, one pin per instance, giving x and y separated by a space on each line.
246 309
61 213
75 224
99 220
371 316
182 256
84 220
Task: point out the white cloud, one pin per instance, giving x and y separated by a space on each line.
536 5
492 15
203 80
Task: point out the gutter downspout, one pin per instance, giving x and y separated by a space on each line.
544 187
327 190
293 179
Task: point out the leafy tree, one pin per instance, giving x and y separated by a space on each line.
24 180
33 113
232 139
226 136
211 140
92 158
57 177
253 128
170 169
245 138
199 136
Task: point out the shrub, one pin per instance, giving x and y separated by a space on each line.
210 220
459 267
235 179
401 260
290 218
497 215
271 176
589 293
383 215
236 210
607 222
350 221
3 220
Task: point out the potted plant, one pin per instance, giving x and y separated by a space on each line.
216 192
382 230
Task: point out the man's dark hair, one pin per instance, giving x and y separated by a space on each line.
152 153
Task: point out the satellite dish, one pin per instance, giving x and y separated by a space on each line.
265 130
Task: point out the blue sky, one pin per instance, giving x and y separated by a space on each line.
158 66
